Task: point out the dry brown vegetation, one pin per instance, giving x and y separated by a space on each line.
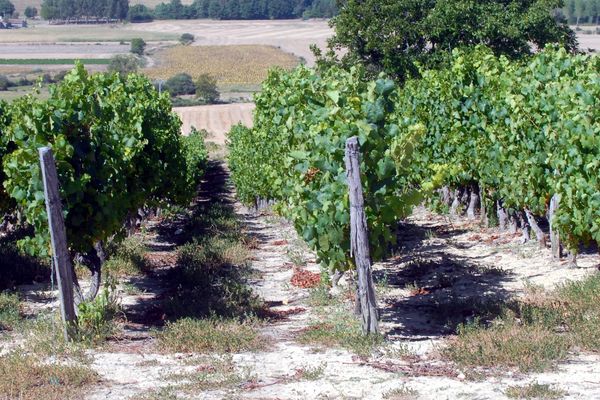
245 64
26 378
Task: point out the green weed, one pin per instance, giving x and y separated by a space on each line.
535 391
127 257
10 310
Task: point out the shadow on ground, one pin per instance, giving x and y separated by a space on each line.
194 269
443 290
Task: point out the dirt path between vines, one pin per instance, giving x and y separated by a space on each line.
441 267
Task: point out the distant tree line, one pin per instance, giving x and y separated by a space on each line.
236 9
582 11
66 9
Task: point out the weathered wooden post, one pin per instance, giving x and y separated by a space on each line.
554 236
359 239
60 253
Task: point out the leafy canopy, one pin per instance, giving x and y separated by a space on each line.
396 36
117 147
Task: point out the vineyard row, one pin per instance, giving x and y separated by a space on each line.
518 140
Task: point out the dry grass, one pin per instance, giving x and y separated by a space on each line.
210 374
210 335
534 332
339 328
127 258
526 347
242 64
535 391
401 393
24 377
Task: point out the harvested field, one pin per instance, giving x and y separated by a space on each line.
42 32
216 119
587 42
244 65
292 36
61 50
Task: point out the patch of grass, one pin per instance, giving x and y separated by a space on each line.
526 347
25 377
320 297
430 234
10 310
131 289
401 393
533 332
213 373
53 61
212 269
535 391
96 322
311 373
44 338
96 318
127 257
164 393
210 335
454 309
212 281
340 328
382 285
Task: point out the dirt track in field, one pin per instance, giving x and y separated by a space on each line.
216 119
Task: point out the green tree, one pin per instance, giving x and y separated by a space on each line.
6 8
206 88
5 83
186 38
139 13
580 10
180 84
397 35
123 64
50 10
31 12
138 45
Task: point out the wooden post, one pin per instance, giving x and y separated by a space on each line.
60 253
359 239
554 236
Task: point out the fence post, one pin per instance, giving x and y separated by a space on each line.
554 236
359 239
61 258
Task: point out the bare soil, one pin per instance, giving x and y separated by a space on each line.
216 119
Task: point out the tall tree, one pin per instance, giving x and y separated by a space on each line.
580 9
397 35
6 8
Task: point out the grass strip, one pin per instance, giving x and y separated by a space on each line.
53 61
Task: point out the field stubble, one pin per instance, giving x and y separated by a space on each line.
242 65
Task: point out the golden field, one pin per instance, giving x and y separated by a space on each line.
231 65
